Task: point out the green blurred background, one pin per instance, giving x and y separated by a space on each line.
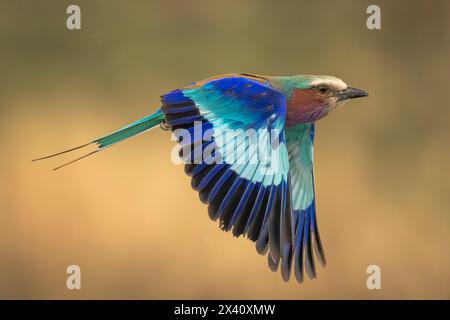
128 216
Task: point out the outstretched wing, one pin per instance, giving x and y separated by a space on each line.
238 159
300 141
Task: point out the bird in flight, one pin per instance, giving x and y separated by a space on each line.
247 141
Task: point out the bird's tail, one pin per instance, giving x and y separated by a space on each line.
104 142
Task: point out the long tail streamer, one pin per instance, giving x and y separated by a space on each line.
131 130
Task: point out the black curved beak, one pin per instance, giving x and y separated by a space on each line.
351 93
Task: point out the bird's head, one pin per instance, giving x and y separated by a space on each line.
311 97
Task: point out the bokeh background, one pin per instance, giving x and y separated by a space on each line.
128 217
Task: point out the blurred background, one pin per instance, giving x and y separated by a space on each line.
128 217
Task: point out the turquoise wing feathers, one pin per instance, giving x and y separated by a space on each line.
249 197
300 145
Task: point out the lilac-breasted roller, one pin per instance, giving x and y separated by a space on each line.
272 202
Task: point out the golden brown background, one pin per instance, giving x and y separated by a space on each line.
128 217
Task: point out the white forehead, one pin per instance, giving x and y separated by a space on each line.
329 81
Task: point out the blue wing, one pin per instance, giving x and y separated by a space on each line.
248 195
300 141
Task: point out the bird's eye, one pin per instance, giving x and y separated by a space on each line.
322 88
